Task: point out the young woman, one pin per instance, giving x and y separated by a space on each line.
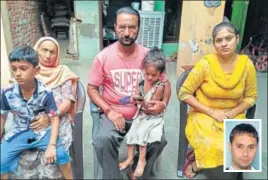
225 86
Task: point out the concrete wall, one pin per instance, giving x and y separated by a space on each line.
88 30
5 73
24 17
6 26
197 22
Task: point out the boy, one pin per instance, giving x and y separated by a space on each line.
26 98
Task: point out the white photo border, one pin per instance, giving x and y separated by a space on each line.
260 144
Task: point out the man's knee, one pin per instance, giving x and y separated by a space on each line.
102 141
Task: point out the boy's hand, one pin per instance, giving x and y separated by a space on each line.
41 122
50 154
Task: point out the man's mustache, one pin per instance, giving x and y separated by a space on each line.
127 37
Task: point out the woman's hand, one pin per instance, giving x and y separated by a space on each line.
50 154
219 115
230 114
41 122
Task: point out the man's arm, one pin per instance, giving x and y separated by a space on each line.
94 95
115 117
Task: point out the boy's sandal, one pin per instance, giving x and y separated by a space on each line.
189 171
190 155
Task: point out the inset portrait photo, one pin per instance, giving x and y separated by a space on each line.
242 145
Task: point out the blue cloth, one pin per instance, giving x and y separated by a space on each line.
24 111
10 150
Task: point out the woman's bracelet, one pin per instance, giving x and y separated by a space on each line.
211 111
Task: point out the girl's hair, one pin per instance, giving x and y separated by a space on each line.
155 56
222 25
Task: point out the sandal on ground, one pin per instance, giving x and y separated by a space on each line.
190 155
188 170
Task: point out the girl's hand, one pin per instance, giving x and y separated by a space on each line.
41 122
219 115
136 99
50 154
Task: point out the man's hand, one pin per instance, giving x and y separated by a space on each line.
219 115
154 107
41 122
50 154
117 119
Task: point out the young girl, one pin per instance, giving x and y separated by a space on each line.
146 128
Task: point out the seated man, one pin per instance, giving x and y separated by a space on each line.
243 138
117 69
26 99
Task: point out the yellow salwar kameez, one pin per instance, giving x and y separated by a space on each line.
219 90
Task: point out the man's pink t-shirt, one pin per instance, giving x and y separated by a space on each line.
118 77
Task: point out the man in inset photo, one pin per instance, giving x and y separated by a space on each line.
243 144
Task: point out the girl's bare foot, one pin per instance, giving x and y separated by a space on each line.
140 168
123 165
